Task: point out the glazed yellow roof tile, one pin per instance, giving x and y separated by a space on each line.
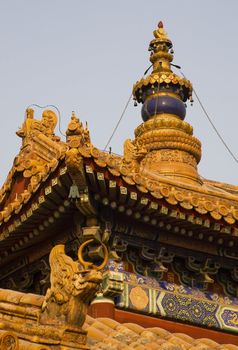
219 201
107 334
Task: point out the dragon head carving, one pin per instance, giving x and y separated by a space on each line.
72 289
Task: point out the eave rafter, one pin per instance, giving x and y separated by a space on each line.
33 222
115 192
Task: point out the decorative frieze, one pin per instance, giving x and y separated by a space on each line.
191 305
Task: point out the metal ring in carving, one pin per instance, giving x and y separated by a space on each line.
88 264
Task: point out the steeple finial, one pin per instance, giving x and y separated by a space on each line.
162 79
172 151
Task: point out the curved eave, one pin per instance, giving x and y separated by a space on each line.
34 219
207 202
205 213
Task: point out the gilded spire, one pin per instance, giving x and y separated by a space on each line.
162 80
169 147
161 50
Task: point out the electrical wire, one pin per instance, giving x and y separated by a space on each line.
115 128
212 124
58 111
118 123
126 106
123 112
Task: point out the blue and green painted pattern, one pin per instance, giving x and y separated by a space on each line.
180 303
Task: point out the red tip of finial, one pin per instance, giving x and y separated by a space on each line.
160 24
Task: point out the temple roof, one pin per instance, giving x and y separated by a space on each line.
155 182
161 162
32 171
46 172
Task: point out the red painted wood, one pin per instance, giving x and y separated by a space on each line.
175 327
102 310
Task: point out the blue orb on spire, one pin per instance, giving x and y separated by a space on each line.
163 104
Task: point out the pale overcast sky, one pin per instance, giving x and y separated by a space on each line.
85 56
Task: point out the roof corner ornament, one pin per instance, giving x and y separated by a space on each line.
55 320
134 151
33 126
77 134
41 148
73 285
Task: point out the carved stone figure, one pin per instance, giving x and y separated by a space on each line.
77 135
41 148
57 318
72 289
133 150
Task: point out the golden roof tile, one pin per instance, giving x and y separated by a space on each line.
106 333
132 336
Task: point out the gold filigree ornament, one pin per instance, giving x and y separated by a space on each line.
161 79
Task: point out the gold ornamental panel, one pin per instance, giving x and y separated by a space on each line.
138 298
